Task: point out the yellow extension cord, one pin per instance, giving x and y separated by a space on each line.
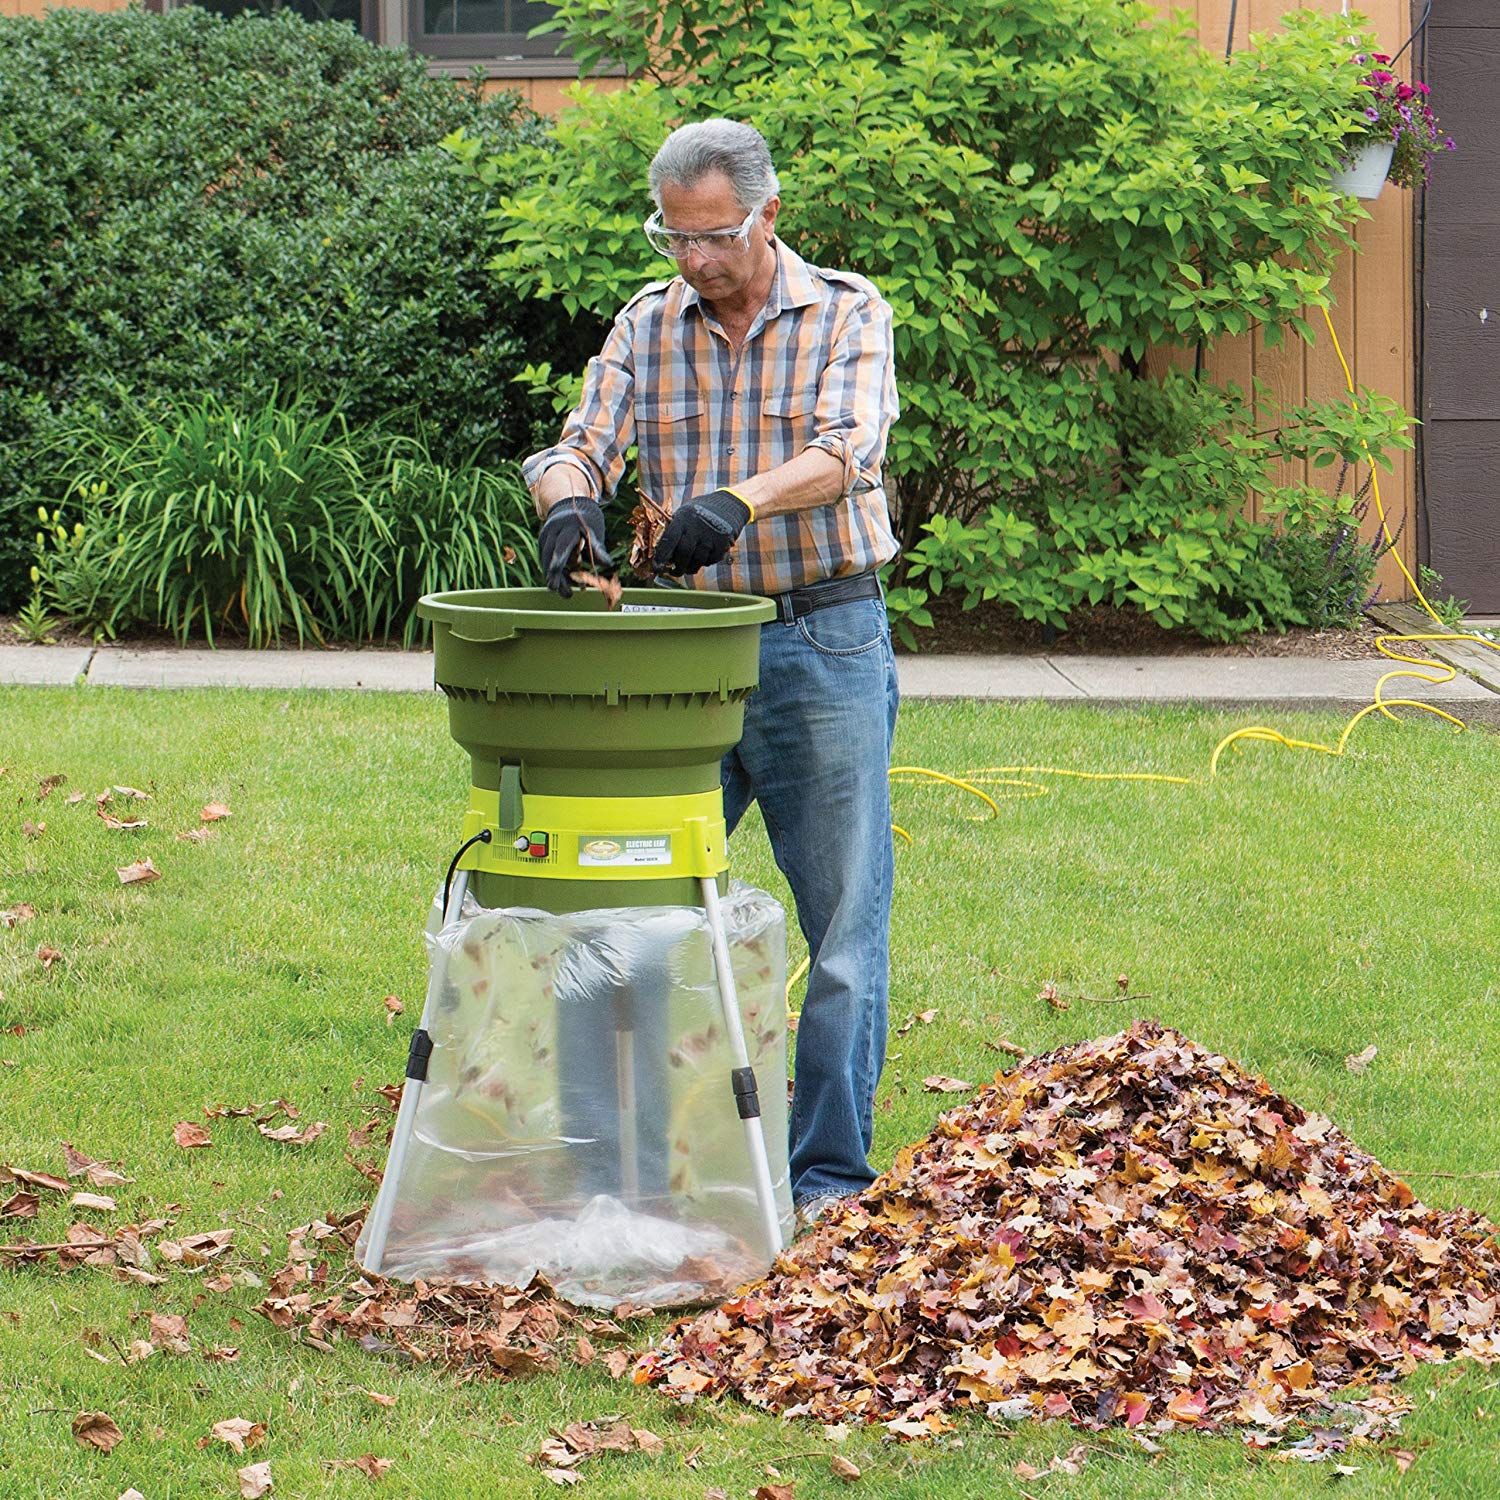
972 781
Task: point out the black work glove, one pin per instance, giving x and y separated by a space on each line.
570 525
701 533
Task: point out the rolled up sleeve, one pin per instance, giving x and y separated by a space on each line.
601 427
857 401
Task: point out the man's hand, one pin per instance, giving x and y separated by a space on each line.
572 539
701 533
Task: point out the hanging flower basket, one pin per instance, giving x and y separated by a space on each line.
1397 135
1365 171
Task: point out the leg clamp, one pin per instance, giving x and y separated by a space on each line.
416 1058
745 1098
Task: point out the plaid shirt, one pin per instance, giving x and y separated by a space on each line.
815 371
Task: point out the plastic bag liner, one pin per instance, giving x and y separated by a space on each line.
578 1117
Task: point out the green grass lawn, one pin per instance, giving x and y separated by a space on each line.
1291 912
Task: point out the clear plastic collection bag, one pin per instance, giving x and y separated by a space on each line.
578 1117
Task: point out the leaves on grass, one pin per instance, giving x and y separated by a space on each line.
1357 1062
169 1333
843 1468
291 1134
483 1328
46 957
367 1464
49 784
1131 1230
579 1441
213 812
32 830
99 1173
238 1432
141 872
20 1206
35 1179
393 1008
940 1083
255 1480
190 1135
96 1429
93 1200
22 911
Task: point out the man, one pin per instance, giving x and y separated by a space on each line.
759 391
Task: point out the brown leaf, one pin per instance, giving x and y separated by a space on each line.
189 1134
49 784
194 835
213 811
46 957
393 1008
1405 1458
774 1492
22 911
169 1332
38 1179
290 1135
20 1206
617 1362
32 830
366 1463
115 824
583 1351
1357 1062
221 1354
843 1468
1048 992
96 1429
378 1398
940 1083
93 1200
238 1433
139 873
133 793
255 1480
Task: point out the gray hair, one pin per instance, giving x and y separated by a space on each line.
737 150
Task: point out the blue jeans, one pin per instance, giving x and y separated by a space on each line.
815 756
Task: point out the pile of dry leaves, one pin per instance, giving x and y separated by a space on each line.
1130 1230
482 1328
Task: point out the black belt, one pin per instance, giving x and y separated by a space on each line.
803 601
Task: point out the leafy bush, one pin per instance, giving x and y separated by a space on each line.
275 521
1043 189
193 204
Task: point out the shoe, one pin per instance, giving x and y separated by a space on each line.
810 1210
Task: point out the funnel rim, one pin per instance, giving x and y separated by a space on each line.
539 609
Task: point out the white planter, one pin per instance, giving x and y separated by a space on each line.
1365 173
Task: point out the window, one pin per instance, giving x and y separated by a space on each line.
491 29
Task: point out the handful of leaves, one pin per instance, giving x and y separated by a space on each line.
1130 1230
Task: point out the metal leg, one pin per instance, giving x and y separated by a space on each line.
630 1170
377 1227
743 1077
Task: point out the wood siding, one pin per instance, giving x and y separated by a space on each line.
1373 311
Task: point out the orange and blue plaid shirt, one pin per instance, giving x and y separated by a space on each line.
815 371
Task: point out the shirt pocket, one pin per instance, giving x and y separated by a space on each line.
790 421
669 433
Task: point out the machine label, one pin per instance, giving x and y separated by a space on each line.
625 850
656 609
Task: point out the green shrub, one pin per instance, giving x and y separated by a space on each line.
1043 189
271 522
192 204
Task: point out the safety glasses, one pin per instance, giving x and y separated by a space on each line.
711 244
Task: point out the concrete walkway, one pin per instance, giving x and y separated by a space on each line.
1227 681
